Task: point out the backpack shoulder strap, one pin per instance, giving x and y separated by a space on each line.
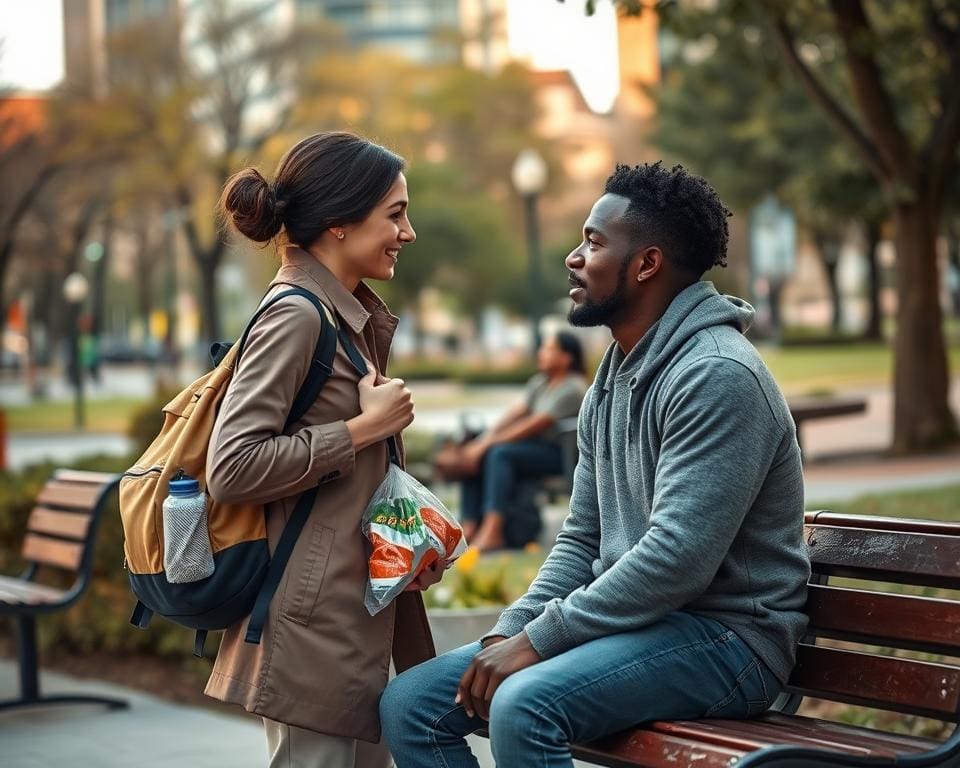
321 365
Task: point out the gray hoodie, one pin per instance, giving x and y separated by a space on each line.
688 494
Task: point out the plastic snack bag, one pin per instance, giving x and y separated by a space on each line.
408 529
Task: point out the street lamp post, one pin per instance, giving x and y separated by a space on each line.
75 289
529 176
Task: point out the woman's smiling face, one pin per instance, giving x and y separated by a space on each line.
370 248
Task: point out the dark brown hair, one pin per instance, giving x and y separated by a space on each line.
326 180
572 346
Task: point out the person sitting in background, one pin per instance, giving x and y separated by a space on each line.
523 444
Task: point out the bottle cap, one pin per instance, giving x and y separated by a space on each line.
184 485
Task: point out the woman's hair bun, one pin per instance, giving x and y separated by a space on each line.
250 202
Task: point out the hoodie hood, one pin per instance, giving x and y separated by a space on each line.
694 309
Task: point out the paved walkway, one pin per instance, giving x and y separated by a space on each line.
152 733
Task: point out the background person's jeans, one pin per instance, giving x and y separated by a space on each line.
504 467
683 667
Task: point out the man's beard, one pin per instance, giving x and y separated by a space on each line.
605 312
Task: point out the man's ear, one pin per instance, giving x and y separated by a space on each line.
651 262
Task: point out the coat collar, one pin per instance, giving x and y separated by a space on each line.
354 308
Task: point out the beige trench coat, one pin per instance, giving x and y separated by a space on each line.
323 660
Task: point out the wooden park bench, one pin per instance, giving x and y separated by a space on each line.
804 409
61 531
875 624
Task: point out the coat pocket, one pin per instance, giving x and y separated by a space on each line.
304 584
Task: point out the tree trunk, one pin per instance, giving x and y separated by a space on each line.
9 232
100 271
776 316
953 259
209 308
874 329
144 273
419 326
828 248
922 416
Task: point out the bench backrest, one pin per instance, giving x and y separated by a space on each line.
62 526
882 552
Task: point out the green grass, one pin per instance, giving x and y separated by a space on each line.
808 370
928 504
106 415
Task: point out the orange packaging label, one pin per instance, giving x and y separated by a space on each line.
449 535
389 560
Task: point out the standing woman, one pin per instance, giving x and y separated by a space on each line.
339 206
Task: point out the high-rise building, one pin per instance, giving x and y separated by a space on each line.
428 31
88 23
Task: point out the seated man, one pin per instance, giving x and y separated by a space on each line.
676 586
523 445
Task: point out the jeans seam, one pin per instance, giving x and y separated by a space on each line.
437 750
619 670
737 687
763 684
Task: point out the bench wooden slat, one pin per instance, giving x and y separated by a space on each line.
649 743
654 750
17 591
774 728
897 556
751 735
831 729
83 476
69 495
747 735
73 525
62 554
824 517
900 621
803 408
900 685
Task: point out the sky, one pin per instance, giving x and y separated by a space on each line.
31 43
31 36
586 46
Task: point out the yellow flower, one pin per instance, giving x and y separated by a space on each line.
468 560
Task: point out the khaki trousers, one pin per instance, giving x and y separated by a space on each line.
292 747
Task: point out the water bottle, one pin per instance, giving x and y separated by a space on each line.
187 555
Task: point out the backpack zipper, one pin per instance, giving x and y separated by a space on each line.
141 473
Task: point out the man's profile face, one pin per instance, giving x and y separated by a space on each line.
598 266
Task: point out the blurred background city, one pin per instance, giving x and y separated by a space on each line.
831 129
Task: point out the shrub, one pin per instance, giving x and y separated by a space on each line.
146 421
101 618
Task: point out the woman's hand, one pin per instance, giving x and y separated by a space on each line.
427 577
385 409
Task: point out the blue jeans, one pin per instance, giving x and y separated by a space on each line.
504 467
684 666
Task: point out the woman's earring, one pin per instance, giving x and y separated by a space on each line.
340 235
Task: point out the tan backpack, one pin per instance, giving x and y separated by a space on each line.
245 577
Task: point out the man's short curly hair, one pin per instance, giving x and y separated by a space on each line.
677 211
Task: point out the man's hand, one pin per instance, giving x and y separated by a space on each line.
499 659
